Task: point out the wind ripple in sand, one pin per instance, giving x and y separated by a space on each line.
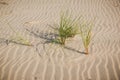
114 69
45 69
70 72
39 12
84 70
90 67
35 69
14 64
61 72
53 73
6 58
8 63
20 67
97 69
106 63
78 71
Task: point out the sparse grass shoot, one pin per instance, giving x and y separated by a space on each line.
19 39
85 31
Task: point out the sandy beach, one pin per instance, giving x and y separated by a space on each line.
52 62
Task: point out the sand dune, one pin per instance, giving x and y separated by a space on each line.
19 62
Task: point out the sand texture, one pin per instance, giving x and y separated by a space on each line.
51 62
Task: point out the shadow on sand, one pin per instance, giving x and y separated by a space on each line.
48 38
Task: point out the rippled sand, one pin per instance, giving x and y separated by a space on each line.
19 62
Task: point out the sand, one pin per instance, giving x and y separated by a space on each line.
19 62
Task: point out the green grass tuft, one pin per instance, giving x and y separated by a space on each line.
66 28
85 31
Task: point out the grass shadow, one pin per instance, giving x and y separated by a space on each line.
48 38
69 48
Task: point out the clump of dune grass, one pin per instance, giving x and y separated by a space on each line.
19 39
66 28
85 31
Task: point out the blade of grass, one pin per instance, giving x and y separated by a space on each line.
85 30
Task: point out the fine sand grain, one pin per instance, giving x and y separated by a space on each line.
51 62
